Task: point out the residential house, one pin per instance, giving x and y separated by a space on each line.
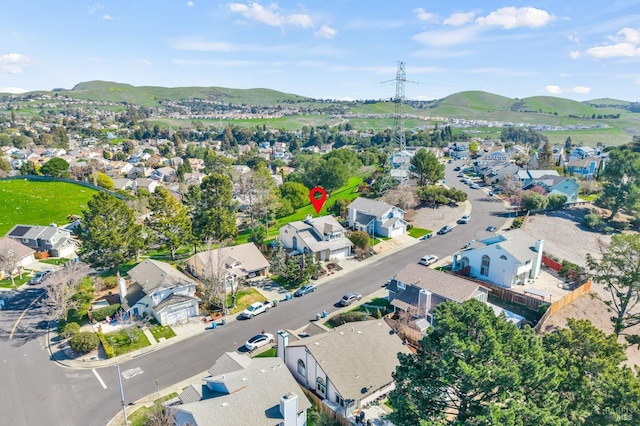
239 262
506 259
122 184
458 150
52 239
115 169
559 185
494 153
587 168
16 253
376 217
160 290
527 177
148 185
197 164
243 391
583 152
194 178
139 172
323 236
417 289
348 367
165 174
495 173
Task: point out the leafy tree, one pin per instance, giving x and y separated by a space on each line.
214 214
70 329
285 208
84 342
534 201
278 260
556 200
4 165
621 179
297 270
426 166
109 232
339 207
473 147
104 181
329 174
567 144
296 193
56 167
169 220
440 195
257 235
360 240
619 272
472 366
545 157
593 220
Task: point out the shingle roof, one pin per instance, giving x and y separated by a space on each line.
249 256
369 206
20 250
449 286
174 299
153 275
356 356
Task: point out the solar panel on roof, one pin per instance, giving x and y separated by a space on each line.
19 231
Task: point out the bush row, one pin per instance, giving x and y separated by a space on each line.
108 311
108 349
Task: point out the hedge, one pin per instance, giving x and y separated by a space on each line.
101 314
70 329
108 349
84 342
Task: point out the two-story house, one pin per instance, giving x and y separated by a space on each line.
56 241
506 259
241 262
527 177
322 236
558 185
587 167
417 290
160 290
376 217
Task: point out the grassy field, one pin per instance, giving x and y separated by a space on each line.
40 203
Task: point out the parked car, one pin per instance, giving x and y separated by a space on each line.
445 229
428 259
474 186
305 289
40 277
464 219
457 169
256 308
491 228
258 341
349 298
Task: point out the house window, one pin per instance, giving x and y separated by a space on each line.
320 386
302 370
339 400
401 285
484 268
295 243
503 257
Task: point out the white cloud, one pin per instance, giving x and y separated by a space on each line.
13 63
447 37
326 31
574 54
459 18
107 18
199 45
14 90
630 35
581 89
270 16
553 89
512 17
190 3
425 16
614 51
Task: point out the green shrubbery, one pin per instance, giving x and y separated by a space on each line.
110 282
70 329
108 349
108 311
593 221
84 342
346 317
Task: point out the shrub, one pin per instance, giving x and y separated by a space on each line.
84 342
110 283
108 348
348 317
571 270
409 226
108 311
70 329
556 200
593 220
517 222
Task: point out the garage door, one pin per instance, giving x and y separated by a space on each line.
173 317
337 254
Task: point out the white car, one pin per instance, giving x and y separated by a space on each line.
474 186
428 259
258 341
464 219
256 308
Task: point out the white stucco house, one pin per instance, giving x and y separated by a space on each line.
506 259
347 367
373 216
160 290
18 255
322 236
243 391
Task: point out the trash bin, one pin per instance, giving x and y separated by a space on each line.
287 296
274 303
223 322
214 325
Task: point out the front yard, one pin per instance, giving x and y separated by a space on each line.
122 344
245 298
161 331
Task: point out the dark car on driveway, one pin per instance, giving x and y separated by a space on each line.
305 289
445 229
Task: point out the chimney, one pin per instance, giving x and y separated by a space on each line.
307 219
538 260
283 342
289 409
122 288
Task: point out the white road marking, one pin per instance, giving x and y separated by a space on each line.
99 378
127 374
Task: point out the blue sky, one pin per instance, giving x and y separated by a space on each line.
338 49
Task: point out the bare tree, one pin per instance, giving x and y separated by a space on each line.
60 289
215 276
510 185
403 196
161 416
8 263
131 325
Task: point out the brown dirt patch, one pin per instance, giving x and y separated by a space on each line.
434 219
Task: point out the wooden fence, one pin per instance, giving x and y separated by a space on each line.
559 304
551 264
405 332
319 406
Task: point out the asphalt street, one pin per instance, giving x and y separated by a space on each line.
36 391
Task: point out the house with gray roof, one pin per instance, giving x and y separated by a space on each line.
160 290
18 254
506 259
373 216
243 391
52 239
587 167
347 367
241 262
526 177
553 184
322 236
417 289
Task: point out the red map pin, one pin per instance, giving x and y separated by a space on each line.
318 202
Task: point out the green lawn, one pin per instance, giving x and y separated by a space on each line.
140 417
245 298
160 331
17 281
122 344
40 203
419 232
372 307
269 353
55 261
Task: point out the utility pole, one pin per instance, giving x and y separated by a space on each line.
124 406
